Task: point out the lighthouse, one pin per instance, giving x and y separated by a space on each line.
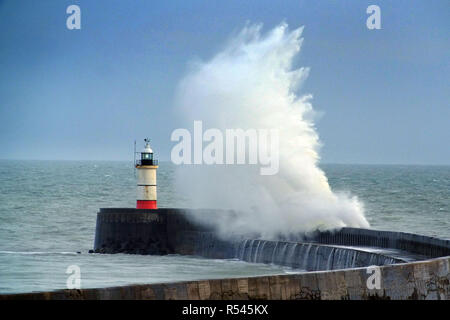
146 167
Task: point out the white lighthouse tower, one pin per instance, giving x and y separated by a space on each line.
146 167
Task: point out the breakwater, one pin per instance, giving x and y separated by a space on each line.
418 280
429 247
176 231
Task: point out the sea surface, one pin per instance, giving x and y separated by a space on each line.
48 213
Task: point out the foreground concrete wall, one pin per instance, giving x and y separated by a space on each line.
419 280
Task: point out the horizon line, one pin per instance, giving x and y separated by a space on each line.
319 163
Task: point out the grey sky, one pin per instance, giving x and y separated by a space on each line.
87 94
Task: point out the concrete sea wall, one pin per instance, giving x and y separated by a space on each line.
166 231
423 245
169 231
305 256
418 280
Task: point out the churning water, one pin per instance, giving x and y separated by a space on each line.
48 213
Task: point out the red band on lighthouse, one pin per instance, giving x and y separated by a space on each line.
146 204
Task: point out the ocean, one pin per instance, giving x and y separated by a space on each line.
48 214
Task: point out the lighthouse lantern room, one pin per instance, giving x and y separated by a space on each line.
146 167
